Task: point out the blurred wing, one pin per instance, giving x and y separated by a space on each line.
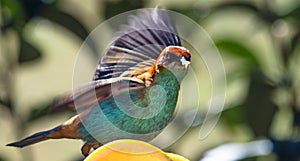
91 95
138 44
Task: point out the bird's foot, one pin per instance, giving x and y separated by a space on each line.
86 148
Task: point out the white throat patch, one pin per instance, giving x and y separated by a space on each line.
185 62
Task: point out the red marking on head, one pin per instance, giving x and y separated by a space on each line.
180 51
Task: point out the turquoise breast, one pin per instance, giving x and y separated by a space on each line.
136 114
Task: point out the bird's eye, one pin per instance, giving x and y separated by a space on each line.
187 58
171 57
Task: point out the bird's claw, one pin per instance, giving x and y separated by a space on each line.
86 148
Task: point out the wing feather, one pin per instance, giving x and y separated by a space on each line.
88 97
138 44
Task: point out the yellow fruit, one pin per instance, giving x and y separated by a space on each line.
131 150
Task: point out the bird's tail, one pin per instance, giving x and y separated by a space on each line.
35 138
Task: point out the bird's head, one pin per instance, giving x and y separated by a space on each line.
174 58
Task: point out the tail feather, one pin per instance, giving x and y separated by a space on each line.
35 138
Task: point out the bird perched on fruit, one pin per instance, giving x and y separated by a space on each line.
135 87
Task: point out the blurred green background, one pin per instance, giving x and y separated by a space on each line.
258 41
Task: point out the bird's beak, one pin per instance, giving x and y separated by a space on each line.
184 62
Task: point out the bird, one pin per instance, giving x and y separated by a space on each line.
135 88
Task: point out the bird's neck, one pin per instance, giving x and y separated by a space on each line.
162 95
167 80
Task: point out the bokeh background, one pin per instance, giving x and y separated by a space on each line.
258 41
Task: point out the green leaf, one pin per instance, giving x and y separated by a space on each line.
295 14
15 8
69 22
233 116
266 14
195 13
295 41
259 106
65 20
112 8
27 52
238 4
6 104
238 49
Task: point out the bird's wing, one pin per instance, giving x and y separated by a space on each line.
138 44
92 94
